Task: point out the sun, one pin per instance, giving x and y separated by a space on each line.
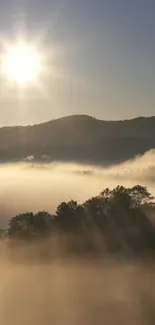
21 63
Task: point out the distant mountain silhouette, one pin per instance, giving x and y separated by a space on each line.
78 138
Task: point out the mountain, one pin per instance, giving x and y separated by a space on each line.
79 138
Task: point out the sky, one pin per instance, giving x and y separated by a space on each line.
100 59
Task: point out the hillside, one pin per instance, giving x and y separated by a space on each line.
79 138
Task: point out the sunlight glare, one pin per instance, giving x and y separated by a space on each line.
21 63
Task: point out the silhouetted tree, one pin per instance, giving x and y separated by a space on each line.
140 195
21 225
115 219
118 215
29 225
70 216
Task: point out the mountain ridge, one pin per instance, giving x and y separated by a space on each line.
79 116
81 138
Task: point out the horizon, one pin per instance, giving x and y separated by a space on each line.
79 115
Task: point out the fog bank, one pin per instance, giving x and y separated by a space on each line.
75 292
28 186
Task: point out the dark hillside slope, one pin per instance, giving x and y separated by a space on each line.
79 138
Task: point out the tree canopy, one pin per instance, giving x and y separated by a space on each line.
115 216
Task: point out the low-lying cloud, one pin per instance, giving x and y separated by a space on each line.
28 186
73 292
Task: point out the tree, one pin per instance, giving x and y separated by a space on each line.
21 225
140 196
132 197
118 214
29 225
95 210
69 216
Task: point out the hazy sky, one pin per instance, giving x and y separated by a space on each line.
102 52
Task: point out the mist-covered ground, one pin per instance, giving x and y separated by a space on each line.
73 292
28 186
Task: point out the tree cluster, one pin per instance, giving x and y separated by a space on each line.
114 221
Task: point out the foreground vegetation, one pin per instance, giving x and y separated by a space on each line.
114 222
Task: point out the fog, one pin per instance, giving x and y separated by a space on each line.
74 292
28 186
61 290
